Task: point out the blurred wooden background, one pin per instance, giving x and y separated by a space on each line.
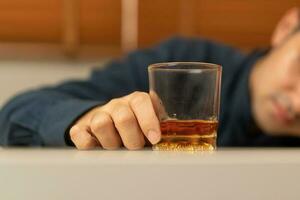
123 25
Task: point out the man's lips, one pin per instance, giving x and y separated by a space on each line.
281 113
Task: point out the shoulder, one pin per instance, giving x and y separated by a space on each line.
200 49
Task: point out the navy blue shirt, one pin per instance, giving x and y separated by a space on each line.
43 117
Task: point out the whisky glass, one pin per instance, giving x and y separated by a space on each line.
186 98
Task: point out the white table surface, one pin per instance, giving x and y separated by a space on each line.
224 174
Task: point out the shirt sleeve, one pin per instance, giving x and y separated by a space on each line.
42 117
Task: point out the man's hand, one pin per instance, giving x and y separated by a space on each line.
122 121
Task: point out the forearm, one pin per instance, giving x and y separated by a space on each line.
40 118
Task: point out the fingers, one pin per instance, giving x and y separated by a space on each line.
142 107
127 126
104 130
124 120
82 139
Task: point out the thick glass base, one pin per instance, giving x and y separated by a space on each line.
184 146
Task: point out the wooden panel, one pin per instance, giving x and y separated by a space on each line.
242 23
100 21
41 21
246 24
30 20
157 20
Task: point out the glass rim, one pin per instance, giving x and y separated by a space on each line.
171 66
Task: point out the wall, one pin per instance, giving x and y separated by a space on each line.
245 24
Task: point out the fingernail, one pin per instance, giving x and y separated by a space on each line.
153 137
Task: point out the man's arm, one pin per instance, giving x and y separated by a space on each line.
42 117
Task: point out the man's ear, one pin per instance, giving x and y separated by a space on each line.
285 26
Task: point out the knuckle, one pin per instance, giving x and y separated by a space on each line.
122 114
99 121
114 102
80 142
136 93
124 118
139 98
74 132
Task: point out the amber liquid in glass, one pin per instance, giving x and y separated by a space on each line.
187 135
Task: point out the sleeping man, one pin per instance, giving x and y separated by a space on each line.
260 98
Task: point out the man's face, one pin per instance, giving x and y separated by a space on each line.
275 87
